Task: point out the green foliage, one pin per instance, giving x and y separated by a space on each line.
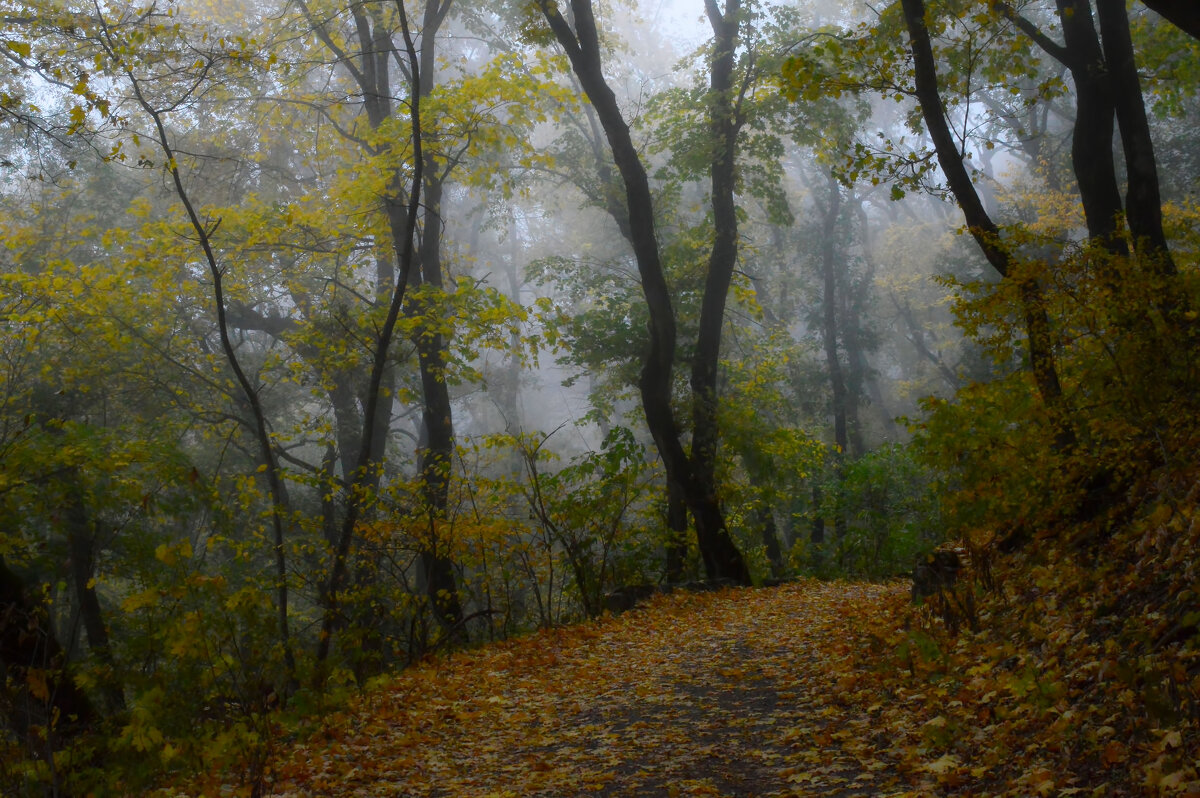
892 510
594 515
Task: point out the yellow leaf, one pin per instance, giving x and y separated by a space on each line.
146 598
1171 781
943 765
36 679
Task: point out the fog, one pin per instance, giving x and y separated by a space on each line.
368 334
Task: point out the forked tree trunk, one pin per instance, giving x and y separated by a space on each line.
1143 201
722 560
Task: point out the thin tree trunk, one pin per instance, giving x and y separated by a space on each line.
402 218
833 363
249 392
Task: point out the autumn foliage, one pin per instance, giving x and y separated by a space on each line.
294 296
813 688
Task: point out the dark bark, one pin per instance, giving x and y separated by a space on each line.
1095 109
1143 200
583 49
829 317
721 558
1091 138
983 229
1185 14
402 217
676 554
437 448
677 519
436 456
81 545
31 655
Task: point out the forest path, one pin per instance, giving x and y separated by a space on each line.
738 693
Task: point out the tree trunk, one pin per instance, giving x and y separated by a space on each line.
48 706
837 377
829 330
437 455
1143 202
81 545
677 548
721 558
1185 14
770 538
1092 136
983 229
402 219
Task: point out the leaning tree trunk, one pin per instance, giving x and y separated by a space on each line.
983 228
609 196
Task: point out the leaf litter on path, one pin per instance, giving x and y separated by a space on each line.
737 693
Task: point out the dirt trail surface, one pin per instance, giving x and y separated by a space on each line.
738 693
